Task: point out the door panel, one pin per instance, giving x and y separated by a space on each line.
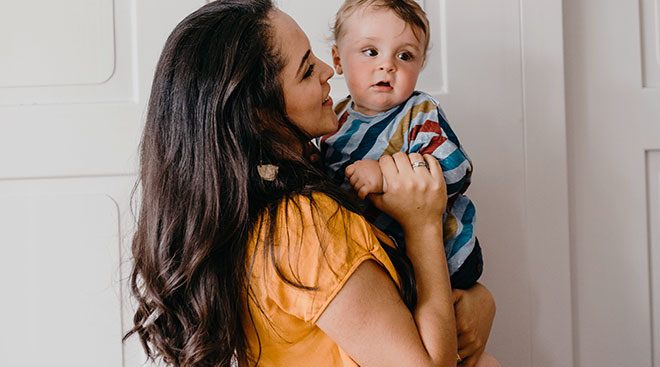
82 114
650 18
613 120
57 46
74 82
653 197
62 275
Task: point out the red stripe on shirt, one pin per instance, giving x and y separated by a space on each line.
429 126
435 142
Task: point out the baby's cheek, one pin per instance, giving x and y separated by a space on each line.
356 79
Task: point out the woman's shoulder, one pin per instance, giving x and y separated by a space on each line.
318 200
304 206
327 216
317 244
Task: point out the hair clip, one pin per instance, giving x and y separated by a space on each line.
268 171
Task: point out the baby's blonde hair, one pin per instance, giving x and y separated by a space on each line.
408 10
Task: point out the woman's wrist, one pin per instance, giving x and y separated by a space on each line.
423 238
424 247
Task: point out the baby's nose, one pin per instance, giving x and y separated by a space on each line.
387 65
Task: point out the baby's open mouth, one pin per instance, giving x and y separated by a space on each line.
383 84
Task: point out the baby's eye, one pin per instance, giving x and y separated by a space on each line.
370 52
405 56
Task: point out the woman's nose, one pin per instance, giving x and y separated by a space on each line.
327 72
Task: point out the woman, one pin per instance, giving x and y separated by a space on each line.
245 250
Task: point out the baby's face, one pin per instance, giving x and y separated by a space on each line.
381 59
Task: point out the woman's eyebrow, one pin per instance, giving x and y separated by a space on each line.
302 62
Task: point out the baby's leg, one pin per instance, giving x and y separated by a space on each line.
486 360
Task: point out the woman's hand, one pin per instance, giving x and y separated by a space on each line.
413 196
474 309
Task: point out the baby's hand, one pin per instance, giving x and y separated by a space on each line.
365 177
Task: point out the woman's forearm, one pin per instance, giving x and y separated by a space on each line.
416 197
434 314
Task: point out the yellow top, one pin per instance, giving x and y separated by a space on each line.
317 246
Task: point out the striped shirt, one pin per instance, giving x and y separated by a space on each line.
416 126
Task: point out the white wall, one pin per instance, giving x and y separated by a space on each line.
612 53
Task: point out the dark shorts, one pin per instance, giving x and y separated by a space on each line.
467 275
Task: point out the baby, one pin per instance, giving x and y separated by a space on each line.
380 48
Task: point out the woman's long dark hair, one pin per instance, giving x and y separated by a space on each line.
216 112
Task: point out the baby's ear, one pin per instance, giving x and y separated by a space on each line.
336 60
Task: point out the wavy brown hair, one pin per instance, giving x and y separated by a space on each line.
216 112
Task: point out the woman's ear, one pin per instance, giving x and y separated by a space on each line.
336 60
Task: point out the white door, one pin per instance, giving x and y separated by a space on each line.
74 79
497 69
613 120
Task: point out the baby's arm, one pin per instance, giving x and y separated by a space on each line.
365 177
